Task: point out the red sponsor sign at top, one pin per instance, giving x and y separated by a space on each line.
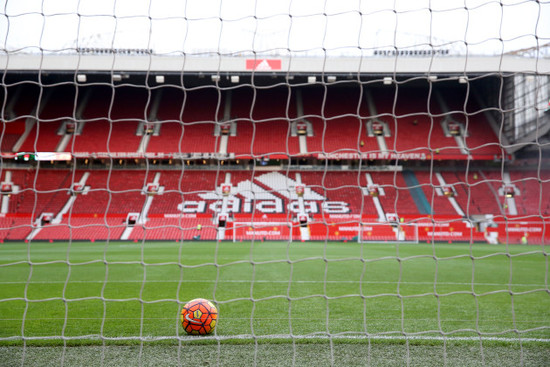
263 64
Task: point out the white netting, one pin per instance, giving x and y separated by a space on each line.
342 174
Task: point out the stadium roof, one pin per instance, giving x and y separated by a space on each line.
130 61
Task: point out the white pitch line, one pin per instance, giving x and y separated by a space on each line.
291 337
271 281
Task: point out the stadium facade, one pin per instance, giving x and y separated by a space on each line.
130 145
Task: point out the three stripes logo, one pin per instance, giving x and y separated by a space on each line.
279 186
263 64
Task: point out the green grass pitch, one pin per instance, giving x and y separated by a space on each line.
59 297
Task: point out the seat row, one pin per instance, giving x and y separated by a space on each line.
110 119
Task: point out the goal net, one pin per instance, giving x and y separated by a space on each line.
348 182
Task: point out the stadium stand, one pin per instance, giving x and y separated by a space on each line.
174 229
11 132
106 198
397 198
187 121
118 126
473 193
15 228
438 194
334 116
83 228
96 126
461 107
18 110
40 191
262 123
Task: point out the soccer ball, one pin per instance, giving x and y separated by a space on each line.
199 317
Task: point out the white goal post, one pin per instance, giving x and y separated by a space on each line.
261 231
388 232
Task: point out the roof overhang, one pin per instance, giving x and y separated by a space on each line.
219 64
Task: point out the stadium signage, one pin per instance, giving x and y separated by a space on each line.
152 155
406 156
524 229
377 155
276 206
444 234
212 155
263 64
253 232
269 193
413 53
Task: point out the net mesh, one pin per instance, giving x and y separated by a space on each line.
273 157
